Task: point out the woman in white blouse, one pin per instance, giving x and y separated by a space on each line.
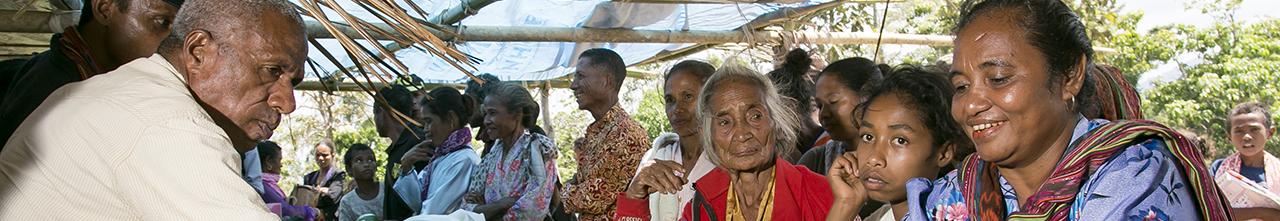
678 155
439 188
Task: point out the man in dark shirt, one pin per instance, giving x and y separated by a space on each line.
110 33
9 68
404 137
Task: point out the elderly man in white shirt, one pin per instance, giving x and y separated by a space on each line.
160 137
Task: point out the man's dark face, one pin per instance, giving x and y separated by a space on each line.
250 78
136 31
592 84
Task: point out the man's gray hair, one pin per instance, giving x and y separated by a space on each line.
783 118
223 16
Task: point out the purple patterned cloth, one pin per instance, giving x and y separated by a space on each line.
275 199
457 140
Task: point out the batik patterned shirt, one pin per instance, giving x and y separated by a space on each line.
607 159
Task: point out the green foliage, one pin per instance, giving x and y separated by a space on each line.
569 126
366 134
652 113
1241 65
343 117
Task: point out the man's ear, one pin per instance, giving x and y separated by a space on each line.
198 47
1271 132
103 10
946 154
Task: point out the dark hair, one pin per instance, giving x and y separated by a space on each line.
699 69
1249 108
479 91
610 61
348 157
398 97
928 94
444 100
793 80
1055 30
268 150
225 15
517 99
856 73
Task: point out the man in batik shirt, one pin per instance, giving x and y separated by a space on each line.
613 145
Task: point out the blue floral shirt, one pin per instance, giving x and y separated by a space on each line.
1143 182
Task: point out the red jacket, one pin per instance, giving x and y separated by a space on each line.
798 195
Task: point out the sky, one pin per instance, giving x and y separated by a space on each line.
1164 12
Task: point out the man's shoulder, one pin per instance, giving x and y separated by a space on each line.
141 91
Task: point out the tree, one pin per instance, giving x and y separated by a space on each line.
343 117
1242 63
651 113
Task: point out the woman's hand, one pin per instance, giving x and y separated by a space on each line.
420 152
662 176
496 210
474 198
846 187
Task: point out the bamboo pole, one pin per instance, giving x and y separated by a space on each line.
553 34
546 109
464 9
736 1
771 18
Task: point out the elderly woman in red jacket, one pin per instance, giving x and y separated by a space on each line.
744 121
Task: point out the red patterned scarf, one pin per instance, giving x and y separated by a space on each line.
76 50
1054 198
1116 98
1271 166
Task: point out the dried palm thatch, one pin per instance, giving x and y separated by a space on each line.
373 66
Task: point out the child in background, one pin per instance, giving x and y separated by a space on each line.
1249 126
366 197
906 123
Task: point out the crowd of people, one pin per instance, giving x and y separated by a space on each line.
161 110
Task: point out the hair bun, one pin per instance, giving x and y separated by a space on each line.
797 62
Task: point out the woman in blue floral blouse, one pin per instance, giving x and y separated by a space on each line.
1021 85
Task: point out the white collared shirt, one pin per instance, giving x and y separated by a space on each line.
131 144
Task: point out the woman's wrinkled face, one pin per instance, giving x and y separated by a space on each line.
1003 96
892 134
741 126
680 94
835 107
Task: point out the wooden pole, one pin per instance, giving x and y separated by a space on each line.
558 34
546 109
